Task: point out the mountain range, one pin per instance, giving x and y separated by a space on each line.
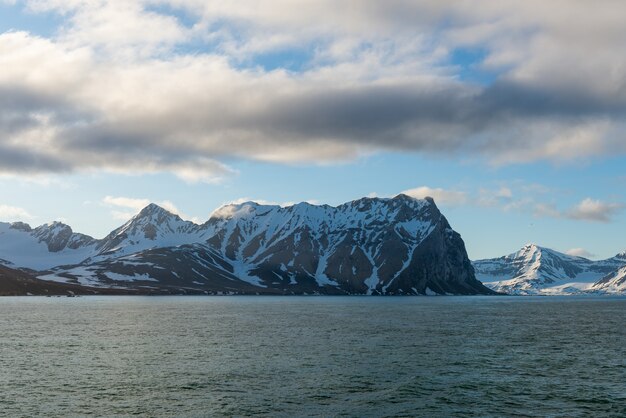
370 246
535 270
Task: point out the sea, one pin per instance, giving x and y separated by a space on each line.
317 356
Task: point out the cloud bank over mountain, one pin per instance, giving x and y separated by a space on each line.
184 86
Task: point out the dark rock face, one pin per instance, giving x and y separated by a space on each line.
59 236
368 246
21 226
56 236
440 265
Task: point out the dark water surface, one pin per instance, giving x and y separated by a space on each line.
313 356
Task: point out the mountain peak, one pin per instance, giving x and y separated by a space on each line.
406 197
532 246
152 214
540 270
153 209
53 227
56 235
58 225
21 226
528 252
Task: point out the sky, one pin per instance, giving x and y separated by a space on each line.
510 114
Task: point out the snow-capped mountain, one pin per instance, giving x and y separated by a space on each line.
538 270
153 227
365 246
44 247
369 246
614 282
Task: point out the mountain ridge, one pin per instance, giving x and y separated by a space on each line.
540 270
398 245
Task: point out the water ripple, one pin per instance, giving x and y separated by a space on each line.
316 356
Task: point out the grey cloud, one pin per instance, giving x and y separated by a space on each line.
29 161
387 116
527 100
449 118
169 112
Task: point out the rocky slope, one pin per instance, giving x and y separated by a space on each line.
368 246
538 270
19 283
614 282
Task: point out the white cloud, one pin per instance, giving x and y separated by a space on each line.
594 210
13 213
169 206
114 24
502 197
526 199
555 141
586 210
441 196
579 252
268 202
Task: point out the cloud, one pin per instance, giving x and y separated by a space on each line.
523 198
122 215
594 210
504 192
241 200
586 210
501 197
13 213
110 92
441 196
545 210
580 252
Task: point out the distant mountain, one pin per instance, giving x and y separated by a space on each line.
538 270
153 227
44 247
614 282
368 246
